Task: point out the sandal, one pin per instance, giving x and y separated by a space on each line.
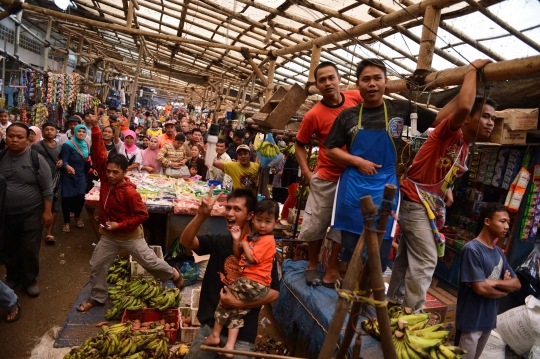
313 277
89 304
80 223
17 307
333 284
66 228
50 239
178 282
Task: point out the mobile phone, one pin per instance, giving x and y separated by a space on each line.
106 225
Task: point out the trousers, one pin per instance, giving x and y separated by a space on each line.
106 251
20 246
72 204
474 343
8 298
416 257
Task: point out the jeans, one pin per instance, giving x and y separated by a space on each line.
416 258
20 246
196 353
349 241
106 251
8 298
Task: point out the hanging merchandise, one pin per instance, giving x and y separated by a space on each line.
531 216
517 190
31 86
86 102
39 115
95 102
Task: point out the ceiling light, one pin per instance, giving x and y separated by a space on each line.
62 4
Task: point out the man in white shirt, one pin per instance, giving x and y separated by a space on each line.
221 155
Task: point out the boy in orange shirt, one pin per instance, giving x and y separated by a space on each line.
256 254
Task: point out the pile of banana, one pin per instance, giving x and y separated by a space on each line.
119 271
268 149
290 150
414 337
141 293
119 341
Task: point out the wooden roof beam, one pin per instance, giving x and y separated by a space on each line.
123 29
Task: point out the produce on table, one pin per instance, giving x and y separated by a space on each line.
182 351
415 335
121 341
119 271
141 293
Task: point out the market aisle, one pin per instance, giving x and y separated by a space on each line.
64 269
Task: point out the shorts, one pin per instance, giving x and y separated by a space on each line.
55 208
318 212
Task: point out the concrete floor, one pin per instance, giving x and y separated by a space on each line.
64 270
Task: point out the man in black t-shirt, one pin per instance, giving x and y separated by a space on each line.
222 270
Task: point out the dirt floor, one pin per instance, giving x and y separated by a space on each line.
64 270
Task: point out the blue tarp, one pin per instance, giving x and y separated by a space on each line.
309 311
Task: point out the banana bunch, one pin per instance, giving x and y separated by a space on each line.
128 302
371 326
169 298
119 341
303 192
119 271
313 160
268 149
290 150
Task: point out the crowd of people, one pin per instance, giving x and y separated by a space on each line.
359 136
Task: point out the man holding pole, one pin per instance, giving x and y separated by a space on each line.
440 160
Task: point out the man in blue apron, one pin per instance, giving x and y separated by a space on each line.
371 132
441 159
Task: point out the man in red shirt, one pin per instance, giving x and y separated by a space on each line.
323 181
441 159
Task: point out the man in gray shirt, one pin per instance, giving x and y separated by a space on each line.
28 207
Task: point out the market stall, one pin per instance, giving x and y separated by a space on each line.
175 200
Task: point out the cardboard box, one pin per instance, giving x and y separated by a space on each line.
451 327
519 118
449 300
502 134
434 305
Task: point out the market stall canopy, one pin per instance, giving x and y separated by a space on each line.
198 43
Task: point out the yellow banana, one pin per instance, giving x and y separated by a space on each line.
423 342
412 354
432 328
441 334
446 352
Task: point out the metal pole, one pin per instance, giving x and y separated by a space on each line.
17 33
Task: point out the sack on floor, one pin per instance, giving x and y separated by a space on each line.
520 327
190 272
495 347
534 353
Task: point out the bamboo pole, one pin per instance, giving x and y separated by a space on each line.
392 19
245 353
4 68
504 25
132 31
66 58
315 58
269 87
81 41
432 17
129 17
504 70
47 38
88 67
135 83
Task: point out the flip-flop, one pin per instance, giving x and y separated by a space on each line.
313 277
17 316
332 285
93 303
50 239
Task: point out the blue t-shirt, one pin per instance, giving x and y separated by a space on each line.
478 263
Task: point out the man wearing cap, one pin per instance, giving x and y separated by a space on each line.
244 173
72 122
168 136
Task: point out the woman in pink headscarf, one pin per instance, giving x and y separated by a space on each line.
150 163
35 135
132 152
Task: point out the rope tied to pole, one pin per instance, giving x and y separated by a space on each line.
357 296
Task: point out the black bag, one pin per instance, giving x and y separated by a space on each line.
56 175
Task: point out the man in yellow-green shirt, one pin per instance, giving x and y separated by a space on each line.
244 174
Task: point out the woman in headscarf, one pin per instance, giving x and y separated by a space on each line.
35 135
76 165
132 152
150 163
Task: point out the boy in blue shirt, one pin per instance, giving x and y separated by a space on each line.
484 277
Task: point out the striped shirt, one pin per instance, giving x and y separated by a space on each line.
169 154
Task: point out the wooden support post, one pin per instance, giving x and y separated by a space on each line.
88 67
18 34
258 72
79 51
432 17
238 94
66 59
135 83
4 70
270 86
129 18
315 58
389 193
46 52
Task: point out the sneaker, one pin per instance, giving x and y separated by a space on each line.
32 290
